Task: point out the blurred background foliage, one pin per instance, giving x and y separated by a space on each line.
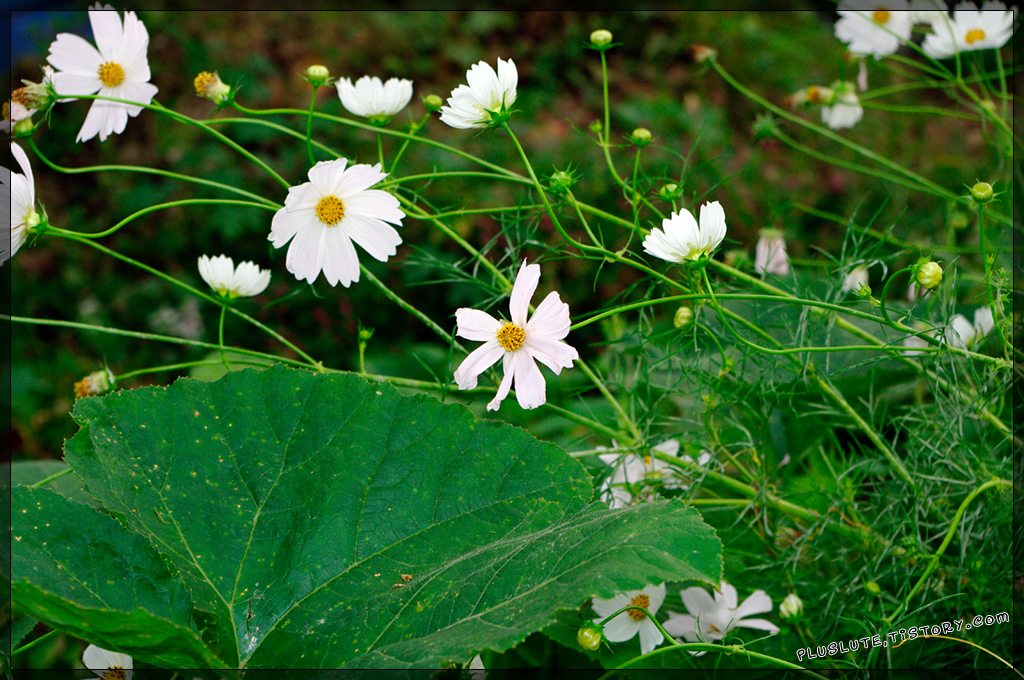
703 140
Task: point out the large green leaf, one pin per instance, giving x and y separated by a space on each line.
82 572
321 521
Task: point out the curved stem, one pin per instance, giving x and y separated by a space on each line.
945 543
220 336
309 126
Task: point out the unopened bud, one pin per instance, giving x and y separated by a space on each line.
669 192
702 53
791 607
433 102
641 137
317 74
600 38
929 275
982 192
561 180
683 317
210 86
589 637
873 588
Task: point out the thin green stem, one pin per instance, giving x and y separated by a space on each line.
885 293
175 204
309 126
35 642
220 336
151 171
391 295
945 543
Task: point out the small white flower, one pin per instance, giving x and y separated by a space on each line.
627 624
770 255
962 334
371 99
107 665
517 342
630 469
118 68
19 194
872 27
222 276
683 239
856 279
970 29
330 211
485 100
710 620
844 110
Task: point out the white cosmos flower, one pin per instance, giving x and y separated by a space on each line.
108 665
855 280
485 100
19 195
627 624
963 334
927 11
970 29
844 110
711 619
371 99
770 255
683 239
330 211
119 69
230 282
631 468
874 27
518 343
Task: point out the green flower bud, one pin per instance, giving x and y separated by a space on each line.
929 275
641 137
600 38
982 192
561 180
683 317
702 53
317 74
589 637
433 102
669 192
873 588
791 607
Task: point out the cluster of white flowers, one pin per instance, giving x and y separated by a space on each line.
708 619
629 470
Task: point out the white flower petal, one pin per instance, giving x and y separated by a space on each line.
554 354
522 292
551 318
508 368
759 624
306 254
621 628
340 262
478 361
531 390
473 324
650 636
72 54
696 600
99 660
757 603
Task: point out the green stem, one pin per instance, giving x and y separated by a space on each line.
152 171
35 642
885 293
945 543
174 204
309 126
220 336
391 295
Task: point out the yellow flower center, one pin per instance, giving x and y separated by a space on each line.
203 82
114 673
330 210
974 35
813 94
640 600
511 337
880 16
111 74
